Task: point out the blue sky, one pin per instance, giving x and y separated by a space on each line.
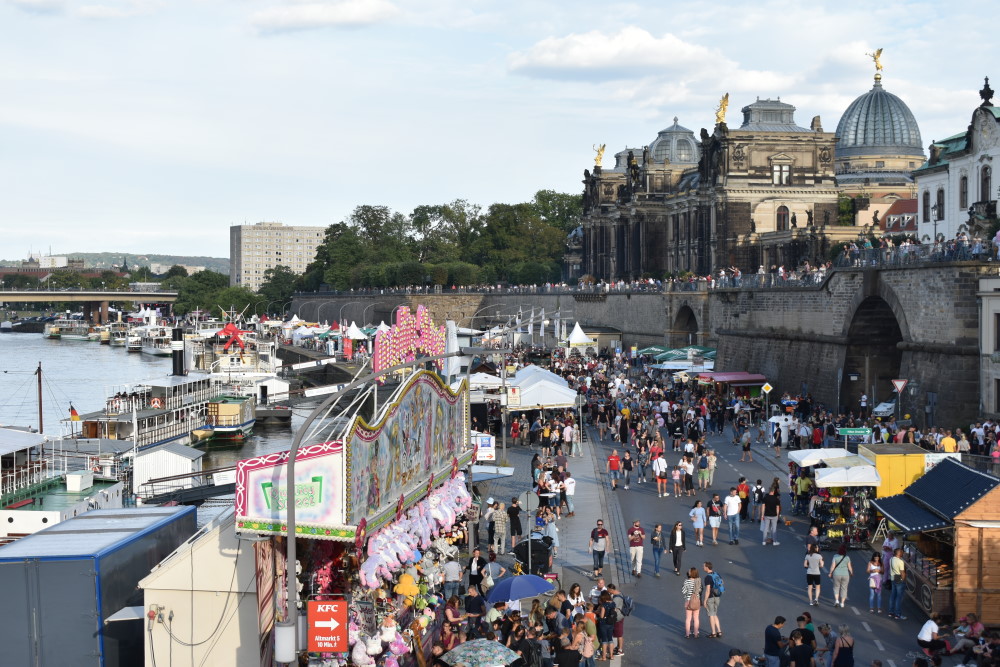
154 125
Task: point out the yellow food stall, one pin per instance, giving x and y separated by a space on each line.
898 465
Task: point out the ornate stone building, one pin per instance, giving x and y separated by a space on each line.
759 194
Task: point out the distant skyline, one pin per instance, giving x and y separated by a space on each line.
151 126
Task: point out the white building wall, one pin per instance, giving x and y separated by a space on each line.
209 585
256 248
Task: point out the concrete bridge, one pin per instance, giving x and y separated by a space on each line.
95 302
852 333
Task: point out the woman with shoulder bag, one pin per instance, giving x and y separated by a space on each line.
583 643
691 592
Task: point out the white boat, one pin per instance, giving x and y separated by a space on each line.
156 341
68 329
154 412
231 417
241 363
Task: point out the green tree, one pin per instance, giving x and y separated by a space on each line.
19 281
559 209
278 285
176 270
385 234
515 233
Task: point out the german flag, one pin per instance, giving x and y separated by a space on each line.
73 414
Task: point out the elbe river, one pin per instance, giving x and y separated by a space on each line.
85 373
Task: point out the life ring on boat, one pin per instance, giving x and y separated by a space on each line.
156 402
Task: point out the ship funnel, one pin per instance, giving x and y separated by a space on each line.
177 351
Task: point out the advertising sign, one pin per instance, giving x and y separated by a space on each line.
423 430
487 446
327 626
262 500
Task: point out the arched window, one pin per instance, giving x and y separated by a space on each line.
963 192
940 204
925 215
782 218
985 176
684 152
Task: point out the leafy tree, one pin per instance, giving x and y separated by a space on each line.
384 232
176 270
559 209
19 281
278 285
141 274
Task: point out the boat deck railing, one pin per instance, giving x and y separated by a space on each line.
23 476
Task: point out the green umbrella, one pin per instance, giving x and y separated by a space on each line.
653 349
480 653
682 353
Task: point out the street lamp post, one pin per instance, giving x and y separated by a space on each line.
364 313
340 315
321 307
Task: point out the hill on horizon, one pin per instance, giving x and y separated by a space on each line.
105 260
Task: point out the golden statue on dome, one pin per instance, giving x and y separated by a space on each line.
720 113
600 154
877 58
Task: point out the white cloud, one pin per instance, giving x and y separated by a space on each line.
629 53
117 10
38 6
309 15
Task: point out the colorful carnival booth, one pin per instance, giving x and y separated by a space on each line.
379 507
948 516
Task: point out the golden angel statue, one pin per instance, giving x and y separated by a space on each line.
877 57
720 113
600 155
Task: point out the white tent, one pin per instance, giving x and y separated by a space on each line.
810 457
382 326
532 371
540 391
354 333
864 475
579 339
484 381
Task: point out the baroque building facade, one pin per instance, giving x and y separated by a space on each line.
760 194
957 188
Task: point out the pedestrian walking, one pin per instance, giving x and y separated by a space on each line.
713 462
514 522
677 545
636 540
476 567
491 508
745 443
843 649
628 463
841 571
661 473
607 616
757 494
703 472
712 587
691 592
501 521
897 572
814 574
731 511
598 546
875 579
714 511
641 461
743 490
657 542
771 511
569 489
697 515
614 468
675 475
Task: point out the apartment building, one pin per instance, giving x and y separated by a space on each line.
253 249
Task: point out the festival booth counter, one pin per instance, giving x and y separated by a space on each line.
840 507
734 383
949 516
900 464
377 510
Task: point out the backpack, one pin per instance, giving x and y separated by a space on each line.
703 462
610 613
532 653
758 494
718 587
628 605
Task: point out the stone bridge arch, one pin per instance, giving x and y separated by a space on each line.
687 321
873 331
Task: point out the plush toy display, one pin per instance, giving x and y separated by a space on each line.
407 587
359 654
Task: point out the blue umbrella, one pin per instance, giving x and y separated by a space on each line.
516 588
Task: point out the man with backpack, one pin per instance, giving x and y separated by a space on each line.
703 472
713 589
618 631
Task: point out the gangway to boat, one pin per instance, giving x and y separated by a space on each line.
208 488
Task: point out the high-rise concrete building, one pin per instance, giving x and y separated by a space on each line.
253 249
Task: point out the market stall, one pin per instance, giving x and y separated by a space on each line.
948 516
900 464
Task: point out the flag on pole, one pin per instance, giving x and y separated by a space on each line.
531 323
555 325
541 324
73 414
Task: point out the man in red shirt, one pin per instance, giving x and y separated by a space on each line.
636 537
614 469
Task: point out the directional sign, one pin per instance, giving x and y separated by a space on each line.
327 626
899 385
854 431
767 388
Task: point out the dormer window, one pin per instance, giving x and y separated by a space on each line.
781 174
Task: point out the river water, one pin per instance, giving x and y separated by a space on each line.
84 373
